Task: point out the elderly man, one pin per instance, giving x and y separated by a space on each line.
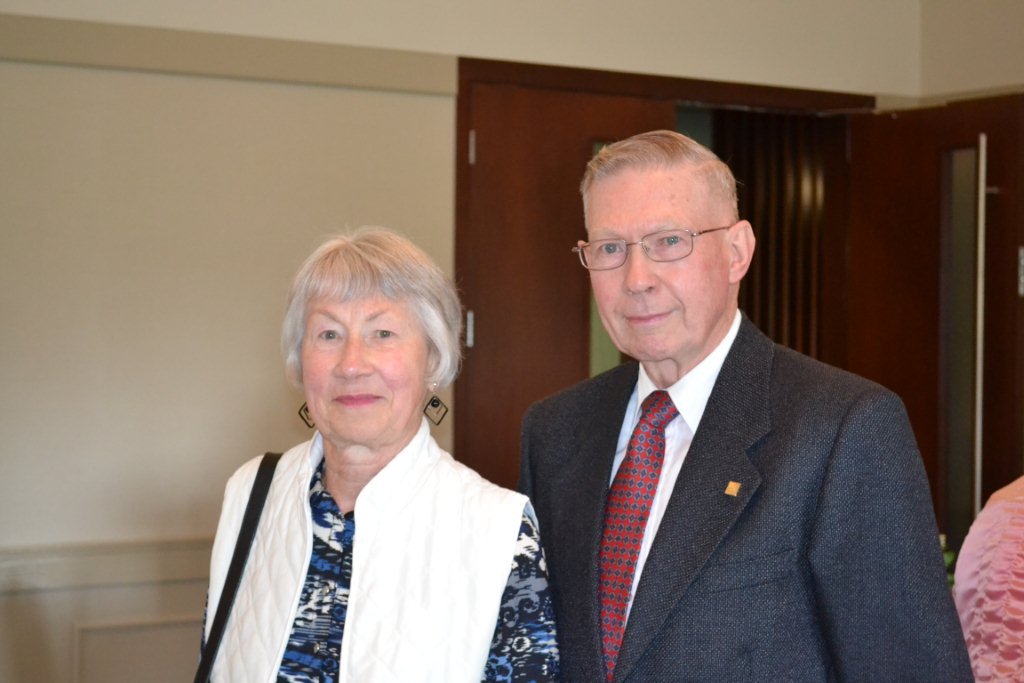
726 509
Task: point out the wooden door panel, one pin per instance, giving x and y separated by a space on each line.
520 214
894 277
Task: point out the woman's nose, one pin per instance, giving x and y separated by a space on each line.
352 359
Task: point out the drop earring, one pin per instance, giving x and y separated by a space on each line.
435 410
304 414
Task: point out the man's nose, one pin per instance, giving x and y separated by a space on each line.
639 275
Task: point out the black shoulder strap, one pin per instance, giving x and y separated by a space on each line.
250 520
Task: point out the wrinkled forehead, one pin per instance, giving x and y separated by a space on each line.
649 198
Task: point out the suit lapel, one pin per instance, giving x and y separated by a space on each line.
586 485
700 512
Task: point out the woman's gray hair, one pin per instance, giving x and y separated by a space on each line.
662 149
371 262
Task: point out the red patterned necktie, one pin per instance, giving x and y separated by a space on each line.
625 517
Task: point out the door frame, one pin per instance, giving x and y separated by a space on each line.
697 91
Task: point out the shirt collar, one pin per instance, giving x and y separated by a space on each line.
691 393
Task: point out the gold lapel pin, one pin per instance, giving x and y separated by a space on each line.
732 488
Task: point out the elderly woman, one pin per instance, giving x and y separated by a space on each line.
378 557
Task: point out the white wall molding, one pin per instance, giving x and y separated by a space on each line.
97 565
84 43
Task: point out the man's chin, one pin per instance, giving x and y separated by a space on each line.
646 353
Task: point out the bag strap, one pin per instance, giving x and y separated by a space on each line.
250 520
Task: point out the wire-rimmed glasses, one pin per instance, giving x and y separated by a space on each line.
664 245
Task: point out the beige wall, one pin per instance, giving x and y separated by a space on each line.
159 187
863 46
903 49
899 48
972 47
149 226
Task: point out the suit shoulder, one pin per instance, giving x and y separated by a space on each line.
585 397
793 371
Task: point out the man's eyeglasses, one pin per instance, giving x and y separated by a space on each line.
664 245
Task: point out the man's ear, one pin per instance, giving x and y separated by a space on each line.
741 249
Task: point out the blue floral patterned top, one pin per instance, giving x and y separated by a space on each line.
523 648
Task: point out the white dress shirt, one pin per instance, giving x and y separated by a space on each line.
690 395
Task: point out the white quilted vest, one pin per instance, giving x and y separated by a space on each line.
433 550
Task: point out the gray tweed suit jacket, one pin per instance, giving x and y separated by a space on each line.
824 567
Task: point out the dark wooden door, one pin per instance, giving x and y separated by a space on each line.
519 216
900 321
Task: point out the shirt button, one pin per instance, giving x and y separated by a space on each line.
316 649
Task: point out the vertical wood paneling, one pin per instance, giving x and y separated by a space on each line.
781 162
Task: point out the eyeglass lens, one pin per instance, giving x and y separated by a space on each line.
667 245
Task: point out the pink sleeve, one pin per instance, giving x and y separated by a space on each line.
989 592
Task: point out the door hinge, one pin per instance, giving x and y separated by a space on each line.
1020 272
472 148
470 329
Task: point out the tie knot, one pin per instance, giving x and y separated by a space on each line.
657 409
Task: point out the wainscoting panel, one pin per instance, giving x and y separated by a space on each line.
155 652
115 613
